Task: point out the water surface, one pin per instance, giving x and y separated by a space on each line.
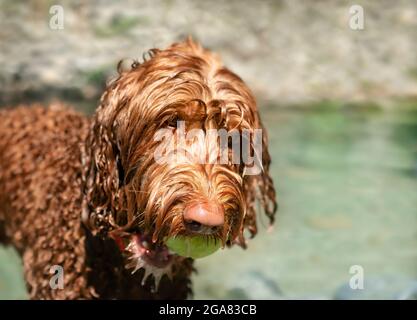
347 186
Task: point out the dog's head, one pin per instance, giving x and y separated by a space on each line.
176 147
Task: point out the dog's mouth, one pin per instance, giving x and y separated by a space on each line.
157 259
156 255
141 253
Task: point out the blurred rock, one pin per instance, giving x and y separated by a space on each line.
255 285
289 51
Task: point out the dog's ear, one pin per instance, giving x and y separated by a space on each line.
108 204
259 188
104 192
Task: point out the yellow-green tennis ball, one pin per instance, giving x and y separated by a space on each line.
193 247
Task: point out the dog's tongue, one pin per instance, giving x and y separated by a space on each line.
193 247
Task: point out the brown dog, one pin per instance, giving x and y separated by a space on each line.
87 200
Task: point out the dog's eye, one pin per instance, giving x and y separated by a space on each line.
173 122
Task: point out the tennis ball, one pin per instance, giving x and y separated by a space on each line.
193 247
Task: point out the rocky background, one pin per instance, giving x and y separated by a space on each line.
290 52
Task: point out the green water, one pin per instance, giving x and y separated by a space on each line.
347 186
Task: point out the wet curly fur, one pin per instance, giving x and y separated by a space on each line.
71 187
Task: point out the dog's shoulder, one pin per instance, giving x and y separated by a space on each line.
36 124
37 139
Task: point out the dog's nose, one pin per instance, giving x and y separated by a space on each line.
203 218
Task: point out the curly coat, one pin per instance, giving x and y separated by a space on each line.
73 189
